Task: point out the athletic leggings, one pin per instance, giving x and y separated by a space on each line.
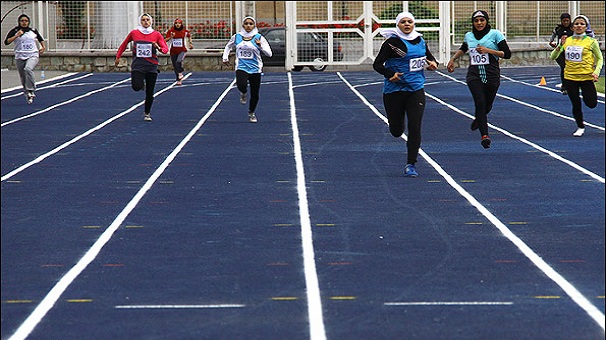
254 79
147 80
590 97
177 61
398 106
483 97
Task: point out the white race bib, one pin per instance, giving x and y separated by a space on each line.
417 64
144 50
178 42
244 53
28 46
477 58
574 54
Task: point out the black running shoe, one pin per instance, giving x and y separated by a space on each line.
485 142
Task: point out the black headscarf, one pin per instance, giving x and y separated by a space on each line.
19 27
480 34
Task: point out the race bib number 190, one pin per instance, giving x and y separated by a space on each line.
574 53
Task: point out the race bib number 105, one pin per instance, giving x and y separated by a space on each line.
477 58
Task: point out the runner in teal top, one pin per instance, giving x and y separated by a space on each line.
485 47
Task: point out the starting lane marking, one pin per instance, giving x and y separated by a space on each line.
596 314
453 303
217 306
51 298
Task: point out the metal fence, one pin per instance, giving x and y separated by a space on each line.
101 25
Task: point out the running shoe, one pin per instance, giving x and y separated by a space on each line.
242 98
564 92
579 132
410 171
251 117
474 125
147 117
485 141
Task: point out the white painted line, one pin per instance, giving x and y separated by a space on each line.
444 303
314 301
559 115
50 86
55 293
575 294
180 306
63 103
81 136
544 87
39 82
525 141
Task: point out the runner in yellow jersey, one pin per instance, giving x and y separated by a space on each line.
584 63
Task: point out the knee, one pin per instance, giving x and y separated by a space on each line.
396 132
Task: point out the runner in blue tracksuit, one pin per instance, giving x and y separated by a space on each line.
485 46
249 44
401 60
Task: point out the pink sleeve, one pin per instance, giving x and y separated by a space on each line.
122 47
162 43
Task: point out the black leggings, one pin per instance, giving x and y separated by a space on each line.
254 79
483 98
398 106
147 80
590 97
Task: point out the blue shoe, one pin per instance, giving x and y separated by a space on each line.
410 171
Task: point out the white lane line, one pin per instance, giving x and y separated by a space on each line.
574 293
63 103
544 87
233 305
559 115
449 303
50 86
77 138
39 82
525 141
59 288
314 301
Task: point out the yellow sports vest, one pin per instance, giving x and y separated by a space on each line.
579 59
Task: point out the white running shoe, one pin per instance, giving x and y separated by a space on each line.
147 117
579 132
242 98
251 117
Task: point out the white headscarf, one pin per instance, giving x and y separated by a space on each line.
251 33
395 31
149 29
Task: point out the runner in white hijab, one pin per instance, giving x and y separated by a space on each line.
252 33
146 30
395 31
